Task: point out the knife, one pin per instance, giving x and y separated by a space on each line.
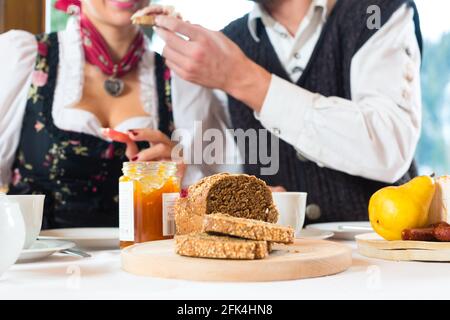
76 252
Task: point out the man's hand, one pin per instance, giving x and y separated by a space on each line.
210 59
277 189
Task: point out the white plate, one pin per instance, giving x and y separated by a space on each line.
41 249
314 234
343 230
86 238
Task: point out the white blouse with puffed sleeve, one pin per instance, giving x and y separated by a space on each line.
18 51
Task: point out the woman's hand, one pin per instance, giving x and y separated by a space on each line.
212 60
161 148
118 136
160 145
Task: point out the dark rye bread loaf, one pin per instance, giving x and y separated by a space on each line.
202 245
223 224
237 195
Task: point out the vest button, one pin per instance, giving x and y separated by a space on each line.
408 52
301 157
297 69
313 212
276 131
406 94
409 73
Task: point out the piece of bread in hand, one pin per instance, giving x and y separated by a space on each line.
146 17
148 21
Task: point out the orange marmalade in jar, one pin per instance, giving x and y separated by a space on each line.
147 191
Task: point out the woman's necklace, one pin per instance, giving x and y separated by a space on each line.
113 85
96 53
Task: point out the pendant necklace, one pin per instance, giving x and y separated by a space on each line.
96 52
113 85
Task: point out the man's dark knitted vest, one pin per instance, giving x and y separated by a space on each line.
341 197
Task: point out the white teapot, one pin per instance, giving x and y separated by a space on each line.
12 232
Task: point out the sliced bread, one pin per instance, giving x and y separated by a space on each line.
247 228
202 245
144 20
238 195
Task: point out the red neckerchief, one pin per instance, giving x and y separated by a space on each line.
96 50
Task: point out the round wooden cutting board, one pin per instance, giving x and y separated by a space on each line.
373 246
303 259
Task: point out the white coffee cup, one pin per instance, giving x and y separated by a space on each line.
32 207
292 208
12 233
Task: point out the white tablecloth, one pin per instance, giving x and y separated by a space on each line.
100 277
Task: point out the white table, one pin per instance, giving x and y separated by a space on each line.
100 277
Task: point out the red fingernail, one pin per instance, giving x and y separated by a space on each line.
184 193
134 159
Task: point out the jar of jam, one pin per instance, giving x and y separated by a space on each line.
147 191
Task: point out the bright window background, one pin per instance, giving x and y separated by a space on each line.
433 153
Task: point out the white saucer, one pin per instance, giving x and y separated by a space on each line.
41 249
86 238
314 234
343 230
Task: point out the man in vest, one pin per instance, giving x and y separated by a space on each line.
338 82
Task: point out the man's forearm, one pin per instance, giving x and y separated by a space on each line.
250 84
212 60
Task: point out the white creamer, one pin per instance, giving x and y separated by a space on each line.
12 232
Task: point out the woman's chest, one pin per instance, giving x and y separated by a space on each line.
111 111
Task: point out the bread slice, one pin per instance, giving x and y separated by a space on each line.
144 20
238 195
247 228
147 15
202 245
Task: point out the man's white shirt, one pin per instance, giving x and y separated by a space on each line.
374 135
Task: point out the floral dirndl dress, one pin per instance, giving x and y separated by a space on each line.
77 172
